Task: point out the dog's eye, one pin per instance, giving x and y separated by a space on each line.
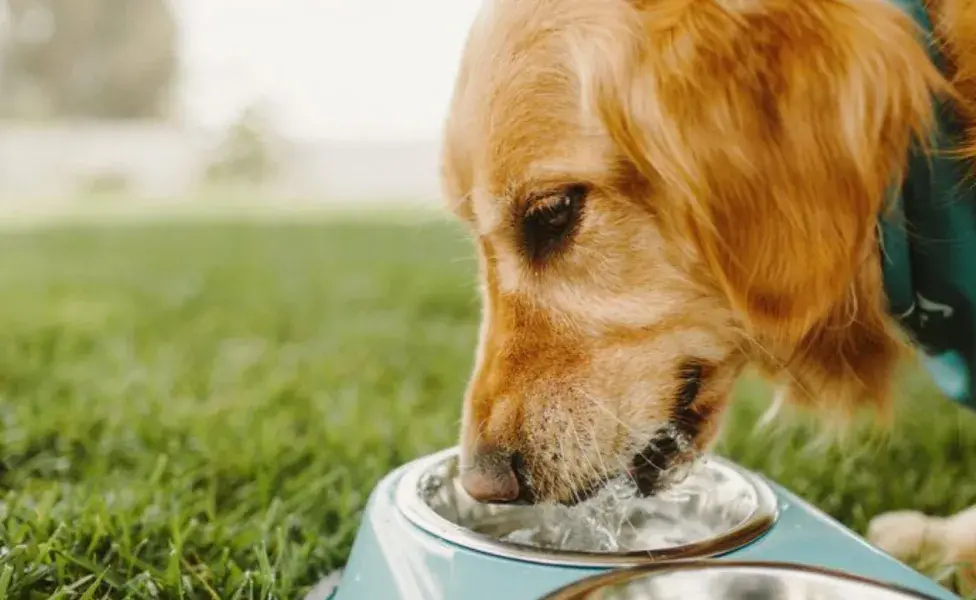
549 222
690 375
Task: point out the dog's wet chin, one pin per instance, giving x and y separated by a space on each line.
652 469
647 477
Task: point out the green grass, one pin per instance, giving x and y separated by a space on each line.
200 411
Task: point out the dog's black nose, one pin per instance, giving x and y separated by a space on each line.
496 476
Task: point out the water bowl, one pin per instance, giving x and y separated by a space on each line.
715 509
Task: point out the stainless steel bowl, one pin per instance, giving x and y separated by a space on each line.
717 508
725 580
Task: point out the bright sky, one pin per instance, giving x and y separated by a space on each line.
344 69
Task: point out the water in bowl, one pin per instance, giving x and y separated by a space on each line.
703 502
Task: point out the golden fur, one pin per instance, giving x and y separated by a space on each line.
736 155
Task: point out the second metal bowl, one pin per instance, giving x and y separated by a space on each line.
726 580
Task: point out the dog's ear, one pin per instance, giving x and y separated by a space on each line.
955 22
772 131
848 361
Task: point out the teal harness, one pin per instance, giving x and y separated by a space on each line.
929 250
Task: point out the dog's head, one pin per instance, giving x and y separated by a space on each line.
660 192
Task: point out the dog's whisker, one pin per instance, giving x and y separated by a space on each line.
591 470
565 474
605 472
602 472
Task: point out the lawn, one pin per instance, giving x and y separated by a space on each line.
200 411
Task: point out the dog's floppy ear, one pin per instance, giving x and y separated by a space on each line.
955 22
772 131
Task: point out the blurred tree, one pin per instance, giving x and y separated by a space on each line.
87 58
247 153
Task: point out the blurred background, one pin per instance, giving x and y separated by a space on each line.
230 299
161 101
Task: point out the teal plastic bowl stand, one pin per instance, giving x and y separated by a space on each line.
394 559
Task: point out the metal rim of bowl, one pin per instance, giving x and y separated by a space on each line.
580 590
412 506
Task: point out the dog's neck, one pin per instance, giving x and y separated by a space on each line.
929 249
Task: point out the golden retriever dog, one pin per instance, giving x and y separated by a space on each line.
662 192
